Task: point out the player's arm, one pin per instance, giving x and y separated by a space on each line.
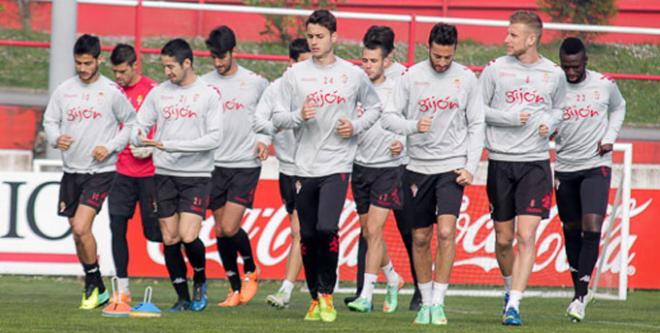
476 121
284 116
552 119
395 115
370 101
52 123
145 120
210 140
125 115
617 113
495 117
264 112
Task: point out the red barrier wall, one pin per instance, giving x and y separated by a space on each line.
118 21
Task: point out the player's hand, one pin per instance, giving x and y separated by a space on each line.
262 151
64 142
141 152
149 142
344 128
524 117
464 177
100 153
604 148
544 131
424 124
396 147
309 109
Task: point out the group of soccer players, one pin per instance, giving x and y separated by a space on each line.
407 140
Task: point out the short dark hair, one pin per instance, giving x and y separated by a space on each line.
221 40
87 44
379 36
324 18
123 53
179 49
443 34
572 46
297 47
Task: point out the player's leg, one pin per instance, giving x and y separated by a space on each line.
149 209
121 205
307 205
567 192
424 205
404 218
189 227
360 188
449 198
332 196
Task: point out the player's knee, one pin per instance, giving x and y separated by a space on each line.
227 230
189 238
446 234
171 239
503 242
525 239
80 230
373 234
295 236
421 240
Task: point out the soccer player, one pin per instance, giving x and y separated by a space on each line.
384 35
237 166
83 120
186 113
319 99
376 184
134 180
592 118
285 145
523 93
438 106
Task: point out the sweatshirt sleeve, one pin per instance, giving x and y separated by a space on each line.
264 112
476 127
395 117
493 116
617 112
211 139
370 101
283 116
146 119
53 119
554 117
125 115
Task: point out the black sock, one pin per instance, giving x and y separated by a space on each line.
176 267
361 263
197 258
573 243
228 254
93 276
118 226
328 256
308 250
242 244
588 258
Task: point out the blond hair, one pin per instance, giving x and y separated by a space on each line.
530 19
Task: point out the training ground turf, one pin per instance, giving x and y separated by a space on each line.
48 304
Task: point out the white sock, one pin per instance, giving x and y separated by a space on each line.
390 274
287 288
426 289
514 299
507 283
122 285
439 292
368 286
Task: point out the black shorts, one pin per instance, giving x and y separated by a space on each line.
380 187
236 185
126 191
582 192
319 203
288 192
519 188
434 195
182 195
83 189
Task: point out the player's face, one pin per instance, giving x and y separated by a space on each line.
124 74
223 62
519 39
174 71
574 66
87 67
320 40
441 56
373 63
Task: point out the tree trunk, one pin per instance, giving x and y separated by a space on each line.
24 12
